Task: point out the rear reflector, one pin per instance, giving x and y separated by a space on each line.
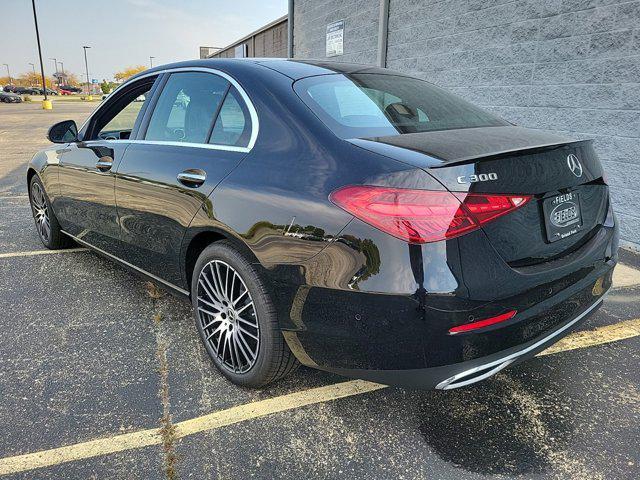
423 216
467 327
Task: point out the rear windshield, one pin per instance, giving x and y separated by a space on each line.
376 105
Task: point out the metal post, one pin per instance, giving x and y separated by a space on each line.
151 62
290 30
383 32
86 66
8 72
46 104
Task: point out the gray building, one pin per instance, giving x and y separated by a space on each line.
566 66
268 41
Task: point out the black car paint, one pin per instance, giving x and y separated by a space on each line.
350 298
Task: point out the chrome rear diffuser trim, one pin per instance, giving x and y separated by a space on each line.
462 379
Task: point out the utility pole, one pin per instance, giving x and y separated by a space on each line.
8 72
64 78
151 62
86 66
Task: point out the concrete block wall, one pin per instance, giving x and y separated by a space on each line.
310 20
567 66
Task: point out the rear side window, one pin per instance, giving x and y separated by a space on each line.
187 107
233 125
370 105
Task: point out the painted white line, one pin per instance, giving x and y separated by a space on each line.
11 197
42 252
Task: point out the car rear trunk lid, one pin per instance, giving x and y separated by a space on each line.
565 178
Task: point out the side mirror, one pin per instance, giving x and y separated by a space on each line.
63 132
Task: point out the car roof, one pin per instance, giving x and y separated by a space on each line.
292 68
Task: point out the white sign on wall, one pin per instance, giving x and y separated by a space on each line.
335 38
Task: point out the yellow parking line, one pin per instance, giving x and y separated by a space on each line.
41 252
598 336
144 438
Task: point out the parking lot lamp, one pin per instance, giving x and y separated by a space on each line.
55 64
33 66
46 103
8 72
86 66
151 62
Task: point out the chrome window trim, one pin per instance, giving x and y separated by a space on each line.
226 148
255 123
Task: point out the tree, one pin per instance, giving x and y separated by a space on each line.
128 72
71 79
34 79
107 87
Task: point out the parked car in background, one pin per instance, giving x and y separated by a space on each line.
49 91
10 97
9 88
65 92
348 217
71 88
27 90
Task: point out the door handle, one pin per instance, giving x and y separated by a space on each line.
104 164
192 178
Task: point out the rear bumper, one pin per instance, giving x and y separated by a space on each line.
403 338
466 373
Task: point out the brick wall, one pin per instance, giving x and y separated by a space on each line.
567 66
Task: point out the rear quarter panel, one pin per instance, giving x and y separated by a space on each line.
277 199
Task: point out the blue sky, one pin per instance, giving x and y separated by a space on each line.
124 32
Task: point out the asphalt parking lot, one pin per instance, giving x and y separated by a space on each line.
103 376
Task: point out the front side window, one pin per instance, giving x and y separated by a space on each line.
372 105
187 107
122 112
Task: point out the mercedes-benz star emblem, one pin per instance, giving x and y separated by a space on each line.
574 165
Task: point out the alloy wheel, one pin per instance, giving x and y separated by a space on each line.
40 212
227 315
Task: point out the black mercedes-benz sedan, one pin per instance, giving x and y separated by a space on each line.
349 218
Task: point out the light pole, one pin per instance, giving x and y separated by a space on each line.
55 63
46 104
86 66
64 78
8 72
33 66
151 62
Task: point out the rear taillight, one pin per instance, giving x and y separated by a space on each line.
422 216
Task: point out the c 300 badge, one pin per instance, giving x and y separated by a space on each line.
481 177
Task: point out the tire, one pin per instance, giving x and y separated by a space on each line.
47 224
240 331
